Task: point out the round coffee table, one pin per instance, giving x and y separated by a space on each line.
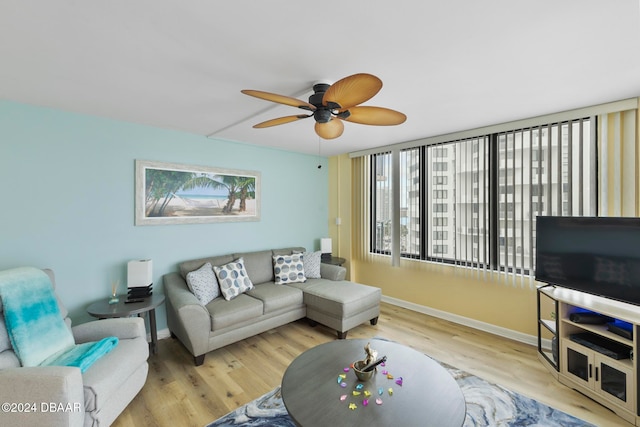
104 310
428 396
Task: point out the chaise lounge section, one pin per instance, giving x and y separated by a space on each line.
327 299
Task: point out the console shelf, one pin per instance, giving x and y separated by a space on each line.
584 354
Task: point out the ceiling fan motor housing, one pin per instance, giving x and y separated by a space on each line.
322 113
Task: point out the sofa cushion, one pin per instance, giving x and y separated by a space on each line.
203 284
342 299
106 377
189 266
308 284
233 279
276 297
228 313
258 265
288 269
289 251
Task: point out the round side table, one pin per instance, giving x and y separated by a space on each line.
104 310
334 260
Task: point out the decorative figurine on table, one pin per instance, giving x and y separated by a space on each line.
114 291
371 354
364 369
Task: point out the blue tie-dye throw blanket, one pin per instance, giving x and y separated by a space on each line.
38 333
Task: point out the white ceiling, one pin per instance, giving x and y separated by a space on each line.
449 65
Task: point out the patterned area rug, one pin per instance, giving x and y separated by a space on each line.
487 405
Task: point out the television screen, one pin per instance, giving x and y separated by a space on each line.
598 255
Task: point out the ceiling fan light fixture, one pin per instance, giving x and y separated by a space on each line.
329 130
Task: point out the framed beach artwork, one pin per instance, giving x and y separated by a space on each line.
171 193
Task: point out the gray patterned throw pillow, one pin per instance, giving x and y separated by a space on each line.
288 269
202 282
233 279
312 264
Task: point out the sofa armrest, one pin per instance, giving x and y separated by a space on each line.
332 272
122 328
186 317
51 396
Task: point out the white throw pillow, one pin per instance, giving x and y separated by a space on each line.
312 264
203 283
233 279
288 269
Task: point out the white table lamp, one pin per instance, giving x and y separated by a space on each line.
325 247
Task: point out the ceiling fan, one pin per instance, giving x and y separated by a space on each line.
331 104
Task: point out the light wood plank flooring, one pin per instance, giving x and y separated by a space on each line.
179 394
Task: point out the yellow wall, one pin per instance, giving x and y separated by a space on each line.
456 290
340 207
492 299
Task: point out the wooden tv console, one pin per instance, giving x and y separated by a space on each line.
588 357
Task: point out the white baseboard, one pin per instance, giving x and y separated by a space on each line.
465 321
461 320
162 334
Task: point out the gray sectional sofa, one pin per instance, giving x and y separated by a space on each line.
329 300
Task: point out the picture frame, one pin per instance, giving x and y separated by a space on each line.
173 193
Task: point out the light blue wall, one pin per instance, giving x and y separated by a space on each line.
67 200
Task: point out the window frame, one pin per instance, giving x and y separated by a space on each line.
498 196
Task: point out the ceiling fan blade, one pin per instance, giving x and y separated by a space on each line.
280 121
280 99
330 130
352 90
375 116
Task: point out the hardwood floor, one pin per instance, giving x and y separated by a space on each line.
179 394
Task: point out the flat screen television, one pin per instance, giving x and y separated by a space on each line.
598 255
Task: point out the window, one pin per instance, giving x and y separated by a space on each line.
440 152
440 221
440 166
440 180
439 194
506 189
474 201
440 249
410 206
440 207
538 190
440 235
381 203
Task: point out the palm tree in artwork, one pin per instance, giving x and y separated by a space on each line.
247 191
161 186
233 184
239 187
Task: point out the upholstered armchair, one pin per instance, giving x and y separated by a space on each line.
64 396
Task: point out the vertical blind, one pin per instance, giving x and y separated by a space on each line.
542 170
618 163
472 202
